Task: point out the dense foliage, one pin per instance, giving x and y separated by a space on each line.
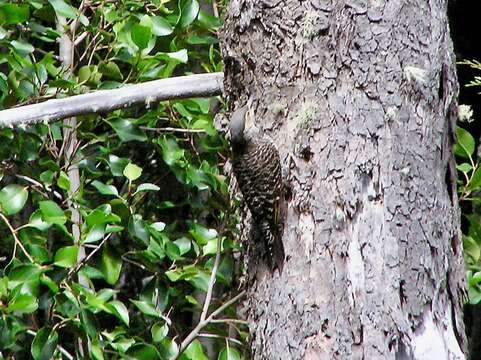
469 190
127 278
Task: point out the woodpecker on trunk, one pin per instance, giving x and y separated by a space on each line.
257 168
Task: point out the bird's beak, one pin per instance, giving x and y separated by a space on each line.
249 118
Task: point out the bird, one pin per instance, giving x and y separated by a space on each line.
257 167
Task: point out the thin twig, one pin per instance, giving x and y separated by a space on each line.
75 23
179 130
15 237
80 38
29 179
215 336
86 259
194 333
221 308
239 321
35 183
59 347
215 9
213 274
125 258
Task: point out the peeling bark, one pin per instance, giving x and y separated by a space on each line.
360 98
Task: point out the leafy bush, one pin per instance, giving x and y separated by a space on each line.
469 187
116 265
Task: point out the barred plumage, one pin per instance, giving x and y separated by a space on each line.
257 168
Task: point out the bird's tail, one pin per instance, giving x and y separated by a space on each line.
273 252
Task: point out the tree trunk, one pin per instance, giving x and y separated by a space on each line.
360 97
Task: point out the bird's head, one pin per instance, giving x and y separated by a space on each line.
241 122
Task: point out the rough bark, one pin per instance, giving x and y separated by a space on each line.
360 97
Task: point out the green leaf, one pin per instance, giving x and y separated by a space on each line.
475 279
474 295
111 265
24 275
158 226
466 141
11 14
91 272
171 153
117 165
102 215
138 229
176 56
105 189
120 310
201 234
63 181
160 26
208 21
66 256
95 234
143 352
22 48
475 181
12 199
192 300
464 167
146 308
52 213
471 248
112 70
229 353
168 348
52 285
47 177
113 229
96 350
36 221
123 344
159 331
184 244
127 131
140 35
63 9
155 248
3 287
200 280
188 13
132 172
147 187
44 344
84 74
23 303
211 247
89 323
172 251
194 352
201 40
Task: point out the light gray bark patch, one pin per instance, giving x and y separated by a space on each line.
372 233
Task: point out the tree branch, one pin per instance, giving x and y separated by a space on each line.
208 296
15 237
148 93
